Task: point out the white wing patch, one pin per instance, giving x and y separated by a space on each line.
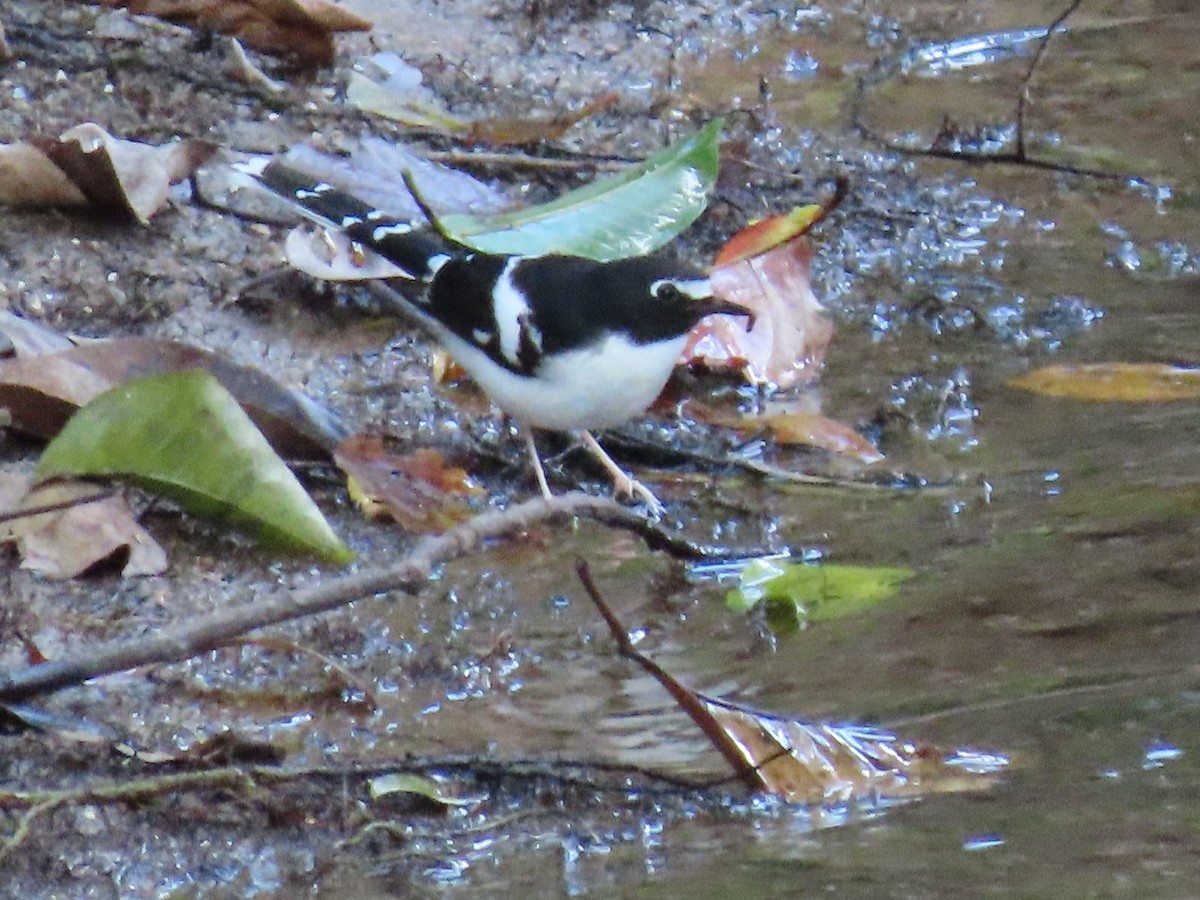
382 231
509 308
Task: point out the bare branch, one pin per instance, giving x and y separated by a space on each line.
409 574
1023 100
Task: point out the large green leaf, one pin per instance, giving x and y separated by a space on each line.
626 215
183 435
796 593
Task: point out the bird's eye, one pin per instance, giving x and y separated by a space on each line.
665 290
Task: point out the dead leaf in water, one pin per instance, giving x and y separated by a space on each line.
791 425
804 762
1115 382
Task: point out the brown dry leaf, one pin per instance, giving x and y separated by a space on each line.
790 333
28 178
417 490
297 29
116 173
87 165
43 391
791 423
70 542
531 130
804 762
1114 382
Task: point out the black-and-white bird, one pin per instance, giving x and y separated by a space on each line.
558 342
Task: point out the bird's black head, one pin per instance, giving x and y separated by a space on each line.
649 298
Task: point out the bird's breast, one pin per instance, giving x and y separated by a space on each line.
592 387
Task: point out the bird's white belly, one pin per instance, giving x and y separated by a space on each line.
593 388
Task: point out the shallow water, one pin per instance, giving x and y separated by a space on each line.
1054 616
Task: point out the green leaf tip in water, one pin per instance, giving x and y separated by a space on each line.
182 435
630 214
797 593
421 785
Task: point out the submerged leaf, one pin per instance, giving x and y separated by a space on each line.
804 762
184 436
819 762
804 593
420 785
1113 381
791 423
626 215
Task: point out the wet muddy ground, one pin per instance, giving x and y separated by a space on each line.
1054 612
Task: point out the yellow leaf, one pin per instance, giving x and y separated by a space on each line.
1113 382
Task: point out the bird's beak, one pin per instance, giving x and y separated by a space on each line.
715 306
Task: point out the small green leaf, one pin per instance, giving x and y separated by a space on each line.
799 593
429 788
630 214
184 436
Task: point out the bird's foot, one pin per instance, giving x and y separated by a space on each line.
626 486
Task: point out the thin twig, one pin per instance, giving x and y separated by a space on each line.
1023 99
522 160
208 633
31 511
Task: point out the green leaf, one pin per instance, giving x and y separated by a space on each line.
422 786
182 435
797 593
630 214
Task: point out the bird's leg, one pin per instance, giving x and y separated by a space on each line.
623 483
537 463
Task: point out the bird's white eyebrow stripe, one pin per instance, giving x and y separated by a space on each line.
696 288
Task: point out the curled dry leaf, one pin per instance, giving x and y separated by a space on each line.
417 490
87 165
297 29
69 542
790 333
